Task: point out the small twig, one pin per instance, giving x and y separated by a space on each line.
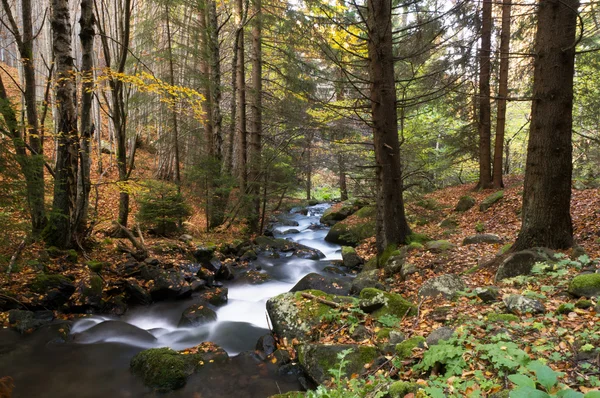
14 257
139 231
321 300
129 235
418 313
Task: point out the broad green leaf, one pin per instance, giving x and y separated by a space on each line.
592 394
522 380
527 392
568 393
546 376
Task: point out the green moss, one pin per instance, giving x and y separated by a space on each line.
417 238
490 200
587 285
54 252
414 246
399 389
565 308
43 282
584 304
395 304
439 245
384 333
429 204
367 212
502 318
289 394
96 284
72 256
404 349
505 248
312 309
162 368
346 250
95 266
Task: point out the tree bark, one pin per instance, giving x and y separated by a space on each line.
242 132
484 125
254 154
392 226
502 95
547 191
174 110
86 37
59 233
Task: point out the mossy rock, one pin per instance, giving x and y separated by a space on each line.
447 285
404 349
584 304
491 200
313 202
565 308
494 317
414 246
96 266
317 359
44 282
439 246
163 369
353 230
350 258
449 223
72 256
429 204
400 389
336 214
417 238
586 285
394 304
464 203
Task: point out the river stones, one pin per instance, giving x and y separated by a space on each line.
327 284
170 285
115 331
196 315
28 321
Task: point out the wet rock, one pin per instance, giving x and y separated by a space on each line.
447 285
135 294
253 277
585 285
116 331
518 304
519 263
213 265
335 214
198 285
308 254
491 200
317 359
116 305
249 255
481 238
196 315
364 280
488 294
216 296
350 258
170 285
327 284
204 253
334 271
289 223
439 334
224 273
265 346
56 290
265 243
28 321
393 304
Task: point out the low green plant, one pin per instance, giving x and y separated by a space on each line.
162 207
388 320
479 226
448 353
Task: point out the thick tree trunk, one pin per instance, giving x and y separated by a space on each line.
547 191
59 232
484 125
86 37
502 94
392 225
242 132
254 154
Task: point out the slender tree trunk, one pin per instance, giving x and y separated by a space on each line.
309 169
485 162
392 225
174 110
241 98
254 155
65 184
342 178
547 190
502 94
86 37
214 54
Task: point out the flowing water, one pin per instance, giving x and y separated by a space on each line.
96 362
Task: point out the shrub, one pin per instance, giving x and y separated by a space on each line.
162 207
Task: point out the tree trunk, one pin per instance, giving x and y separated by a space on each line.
61 220
547 191
241 97
309 169
392 225
342 178
86 37
502 94
254 155
174 110
484 125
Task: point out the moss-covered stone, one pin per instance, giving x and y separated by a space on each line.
350 258
43 282
584 304
395 304
95 266
464 203
72 256
404 349
163 369
449 223
383 333
586 285
502 318
318 359
565 308
439 246
491 200
414 246
354 229
400 389
417 238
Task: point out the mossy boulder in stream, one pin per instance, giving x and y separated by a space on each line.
164 369
318 359
354 229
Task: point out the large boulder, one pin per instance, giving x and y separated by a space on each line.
327 284
464 203
341 212
481 238
350 258
585 285
391 303
196 315
447 285
317 359
28 321
164 369
55 290
520 263
135 294
354 229
364 280
518 304
490 200
170 285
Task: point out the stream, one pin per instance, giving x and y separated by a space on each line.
95 361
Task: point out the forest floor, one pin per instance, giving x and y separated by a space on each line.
562 334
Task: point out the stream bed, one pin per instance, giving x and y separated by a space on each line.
94 362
